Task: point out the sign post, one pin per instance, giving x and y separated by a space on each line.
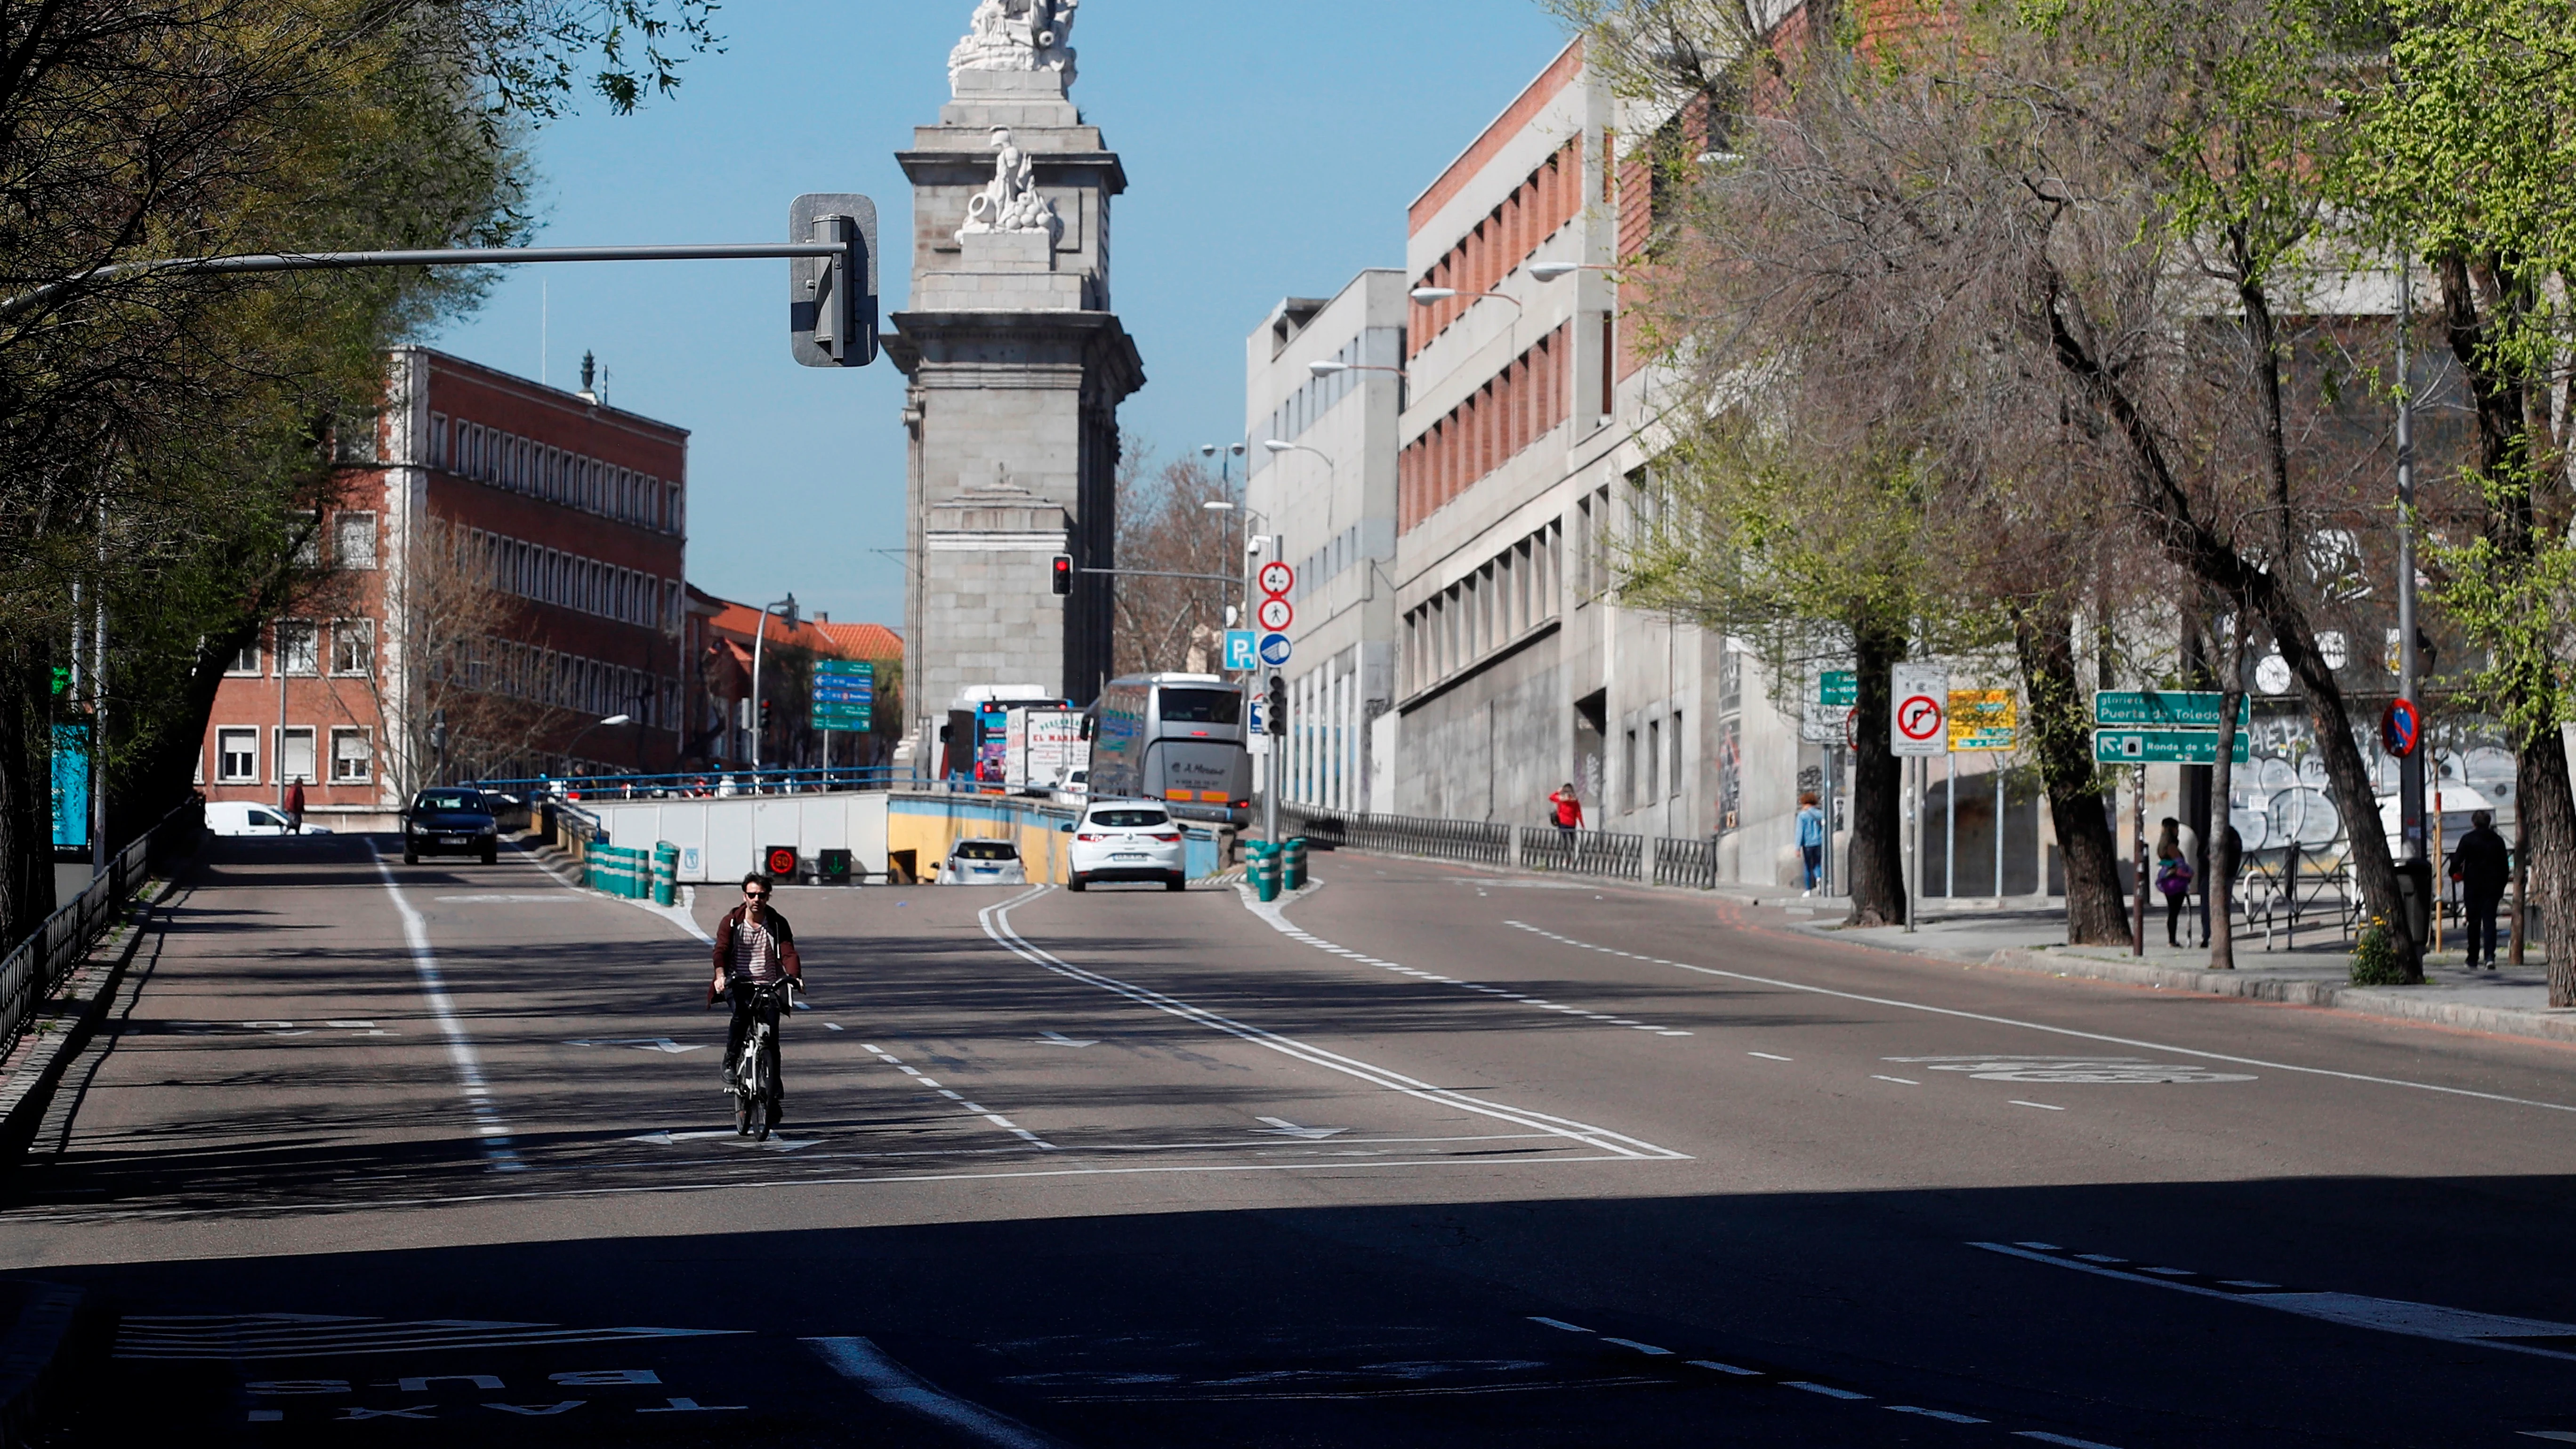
1827 721
1918 728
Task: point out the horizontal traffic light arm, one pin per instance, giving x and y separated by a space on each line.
1167 574
434 257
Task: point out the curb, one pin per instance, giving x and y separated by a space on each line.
59 1029
34 1363
2390 1004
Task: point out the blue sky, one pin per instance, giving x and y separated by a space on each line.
1270 151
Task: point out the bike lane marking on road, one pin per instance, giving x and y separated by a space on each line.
1271 913
2069 1031
889 1382
1007 1125
489 1129
997 925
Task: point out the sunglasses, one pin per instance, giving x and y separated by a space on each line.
755 893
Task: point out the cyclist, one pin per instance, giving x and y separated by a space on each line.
754 947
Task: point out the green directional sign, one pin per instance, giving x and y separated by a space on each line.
1838 688
2163 709
845 695
2164 747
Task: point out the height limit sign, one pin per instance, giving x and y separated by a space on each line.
1921 722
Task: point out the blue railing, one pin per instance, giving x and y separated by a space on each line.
704 784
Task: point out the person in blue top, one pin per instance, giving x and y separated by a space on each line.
1811 838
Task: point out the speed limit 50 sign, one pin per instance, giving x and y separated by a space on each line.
1920 724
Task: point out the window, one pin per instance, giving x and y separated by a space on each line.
1201 706
296 647
1628 772
353 540
353 646
237 757
295 754
245 660
438 454
307 528
1654 760
1673 737
352 756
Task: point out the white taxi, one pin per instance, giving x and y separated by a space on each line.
1126 840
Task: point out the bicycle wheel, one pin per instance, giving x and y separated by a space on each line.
773 1090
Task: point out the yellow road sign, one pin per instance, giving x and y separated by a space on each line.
1982 719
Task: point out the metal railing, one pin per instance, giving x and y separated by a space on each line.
43 961
1600 853
701 784
1689 863
1469 842
2297 886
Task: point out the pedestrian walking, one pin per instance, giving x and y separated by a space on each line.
295 804
1567 809
2173 877
2482 863
1811 838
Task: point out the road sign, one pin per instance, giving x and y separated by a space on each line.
2165 747
1920 724
1240 649
1982 720
1838 688
2401 729
1275 649
1274 614
780 861
1276 578
2166 709
845 695
1259 725
1830 697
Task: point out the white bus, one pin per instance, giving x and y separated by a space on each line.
1177 738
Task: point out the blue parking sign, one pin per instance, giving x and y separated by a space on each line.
1240 650
1275 650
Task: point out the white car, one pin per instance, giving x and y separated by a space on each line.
1126 840
248 817
1074 788
983 862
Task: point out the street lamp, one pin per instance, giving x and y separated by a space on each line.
1425 296
1282 445
787 608
1327 369
1225 454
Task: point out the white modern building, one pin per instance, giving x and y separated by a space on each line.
1323 399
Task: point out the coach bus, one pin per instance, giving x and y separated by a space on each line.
1177 738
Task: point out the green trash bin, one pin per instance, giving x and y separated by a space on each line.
666 873
1293 867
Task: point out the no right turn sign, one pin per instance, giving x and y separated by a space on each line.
1921 722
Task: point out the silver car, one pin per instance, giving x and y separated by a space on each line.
983 862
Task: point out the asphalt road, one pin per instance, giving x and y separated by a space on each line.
1429 1158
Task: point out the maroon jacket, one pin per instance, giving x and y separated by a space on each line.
777 924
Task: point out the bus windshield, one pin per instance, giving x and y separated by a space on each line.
1202 706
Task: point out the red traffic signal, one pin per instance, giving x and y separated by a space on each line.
1062 570
779 861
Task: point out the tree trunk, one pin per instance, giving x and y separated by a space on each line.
2220 884
2061 733
1877 863
26 793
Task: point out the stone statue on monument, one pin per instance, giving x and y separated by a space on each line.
1010 201
1024 35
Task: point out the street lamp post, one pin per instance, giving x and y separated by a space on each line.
787 606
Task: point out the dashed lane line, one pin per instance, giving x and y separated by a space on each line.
2067 1031
489 1130
1005 1123
997 925
1270 913
889 1382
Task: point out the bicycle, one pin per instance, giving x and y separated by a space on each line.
758 1089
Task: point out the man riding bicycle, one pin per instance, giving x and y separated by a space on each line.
754 948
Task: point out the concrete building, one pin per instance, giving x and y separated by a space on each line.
1324 395
504 573
1017 366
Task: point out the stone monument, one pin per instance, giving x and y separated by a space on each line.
1016 366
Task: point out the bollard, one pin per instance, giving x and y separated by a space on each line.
666 873
1293 868
1264 875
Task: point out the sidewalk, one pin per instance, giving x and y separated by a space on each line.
2029 936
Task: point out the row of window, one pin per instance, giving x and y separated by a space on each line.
1550 197
1374 348
237 755
1514 592
551 576
299 649
524 465
1652 766
566 681
1515 408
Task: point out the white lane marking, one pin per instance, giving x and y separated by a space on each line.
1271 913
1944 1415
831 1026
2354 1310
1282 1127
1639 1347
2046 1438
1828 1392
1900 1081
1559 1323
2558 1435
553 899
997 925
641 1043
488 1127
1060 1039
2230 1282
2043 1106
959 1098
2063 1030
888 1382
1768 1056
1725 1368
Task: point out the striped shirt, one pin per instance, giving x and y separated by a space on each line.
755 952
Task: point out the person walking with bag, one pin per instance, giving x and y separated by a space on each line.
1811 839
2173 877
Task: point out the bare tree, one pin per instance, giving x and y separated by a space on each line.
1165 527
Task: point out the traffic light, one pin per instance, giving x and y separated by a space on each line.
766 706
832 300
1061 571
1278 720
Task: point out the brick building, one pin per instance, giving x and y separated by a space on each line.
505 572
